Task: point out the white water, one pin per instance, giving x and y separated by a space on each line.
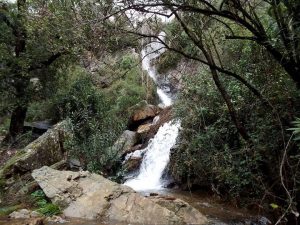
156 158
157 154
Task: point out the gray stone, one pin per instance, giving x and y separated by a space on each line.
125 142
46 150
20 214
181 208
91 196
56 219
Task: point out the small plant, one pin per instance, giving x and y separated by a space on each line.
45 207
296 130
4 211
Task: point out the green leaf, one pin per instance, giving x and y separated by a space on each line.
274 206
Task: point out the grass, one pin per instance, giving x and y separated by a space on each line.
44 207
4 211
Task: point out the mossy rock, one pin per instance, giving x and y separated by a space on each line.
7 168
48 149
5 211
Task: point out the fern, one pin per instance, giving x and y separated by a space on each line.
296 130
44 206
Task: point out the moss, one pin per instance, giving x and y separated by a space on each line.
2 185
7 167
4 211
49 209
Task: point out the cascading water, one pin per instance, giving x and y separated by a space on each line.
156 158
157 154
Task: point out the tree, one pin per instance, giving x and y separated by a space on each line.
37 39
24 56
273 24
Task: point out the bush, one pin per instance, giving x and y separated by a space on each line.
98 116
45 207
213 152
94 128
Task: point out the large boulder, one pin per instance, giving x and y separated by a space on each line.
125 142
91 196
133 163
142 113
46 150
145 112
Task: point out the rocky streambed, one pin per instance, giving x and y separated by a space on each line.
91 196
87 198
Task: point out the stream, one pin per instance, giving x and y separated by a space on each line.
157 156
157 153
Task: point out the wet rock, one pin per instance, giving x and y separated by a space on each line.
143 129
133 149
142 113
147 111
182 209
37 221
165 116
133 163
125 142
91 196
56 219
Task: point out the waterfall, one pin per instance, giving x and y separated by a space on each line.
156 158
157 153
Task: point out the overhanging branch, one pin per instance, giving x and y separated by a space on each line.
48 62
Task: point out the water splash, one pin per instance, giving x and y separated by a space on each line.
156 158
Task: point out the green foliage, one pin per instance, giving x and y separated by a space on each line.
179 41
49 209
296 130
44 207
98 116
4 211
4 126
213 152
94 129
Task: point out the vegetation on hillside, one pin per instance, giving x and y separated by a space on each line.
240 108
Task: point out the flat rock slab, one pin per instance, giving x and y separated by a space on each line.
91 196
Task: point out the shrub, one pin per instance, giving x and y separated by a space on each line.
44 207
214 154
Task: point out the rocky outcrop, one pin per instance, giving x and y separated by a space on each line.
143 113
125 142
91 196
133 163
46 150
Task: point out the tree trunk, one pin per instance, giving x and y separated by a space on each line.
16 123
232 112
238 124
19 113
